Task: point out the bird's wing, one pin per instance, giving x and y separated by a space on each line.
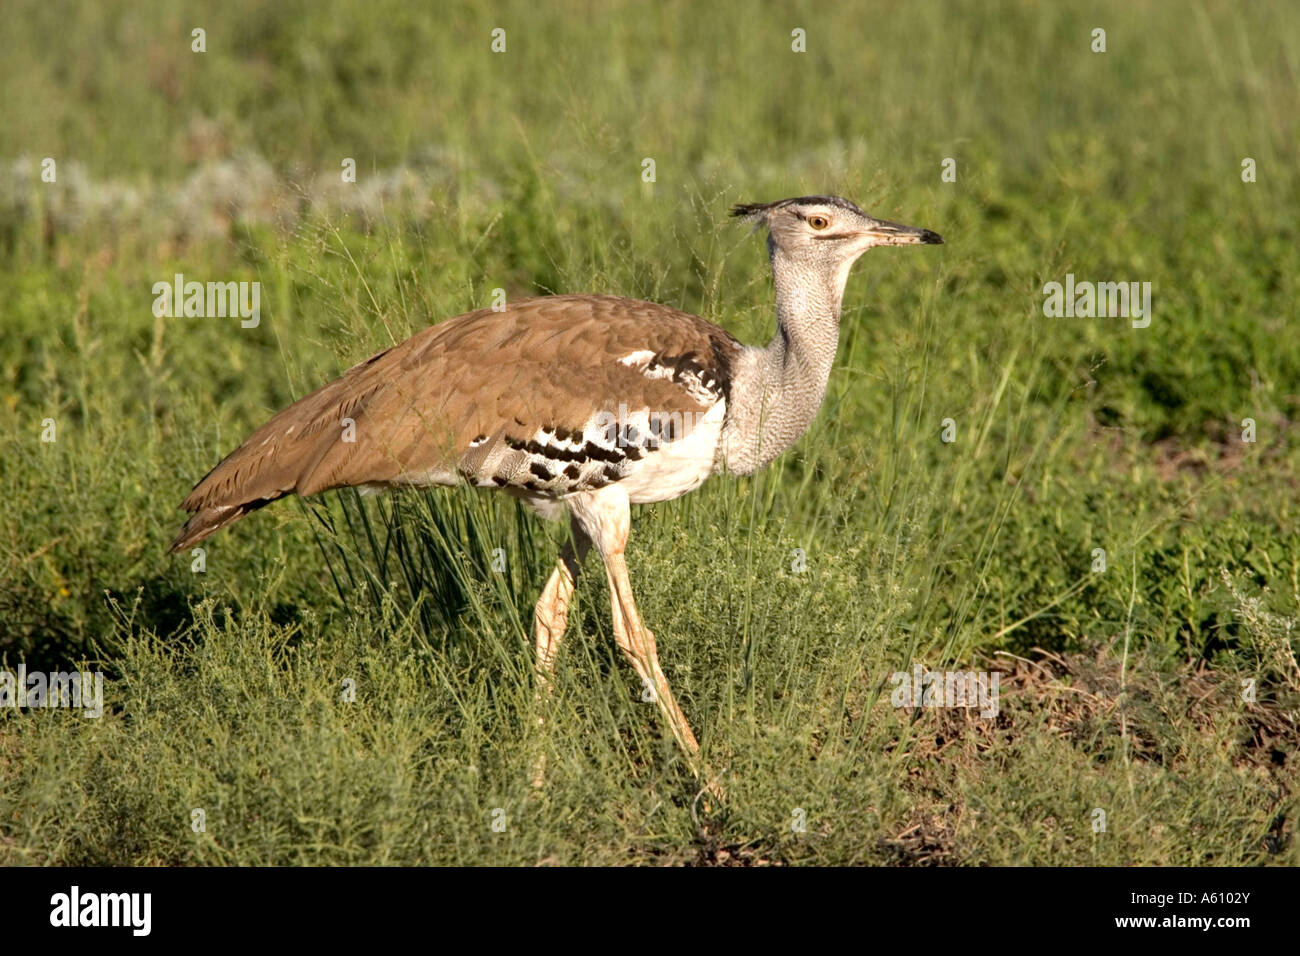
492 397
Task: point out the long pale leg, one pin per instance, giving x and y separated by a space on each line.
638 644
551 615
606 518
550 618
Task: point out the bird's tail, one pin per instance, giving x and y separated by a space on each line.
209 520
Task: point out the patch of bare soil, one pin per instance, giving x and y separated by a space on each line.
1086 698
1220 453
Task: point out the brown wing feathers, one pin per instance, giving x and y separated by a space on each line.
468 397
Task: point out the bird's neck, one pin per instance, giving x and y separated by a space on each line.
780 388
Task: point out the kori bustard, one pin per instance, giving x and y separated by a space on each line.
577 404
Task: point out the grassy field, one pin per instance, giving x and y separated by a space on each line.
1148 710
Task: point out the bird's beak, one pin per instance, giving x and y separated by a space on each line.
884 233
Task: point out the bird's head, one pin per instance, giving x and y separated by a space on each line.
827 229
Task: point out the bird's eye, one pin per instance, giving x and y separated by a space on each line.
818 222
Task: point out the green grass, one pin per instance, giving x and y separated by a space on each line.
522 171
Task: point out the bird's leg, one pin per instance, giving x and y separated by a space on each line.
606 517
551 615
638 644
550 618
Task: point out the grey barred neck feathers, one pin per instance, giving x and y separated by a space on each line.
778 390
